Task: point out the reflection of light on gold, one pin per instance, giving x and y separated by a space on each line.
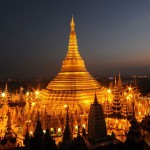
28 121
139 113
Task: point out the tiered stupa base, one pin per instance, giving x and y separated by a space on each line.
77 100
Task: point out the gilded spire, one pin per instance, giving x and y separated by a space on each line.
115 81
72 24
73 60
119 80
73 46
119 75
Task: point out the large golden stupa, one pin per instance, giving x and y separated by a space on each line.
73 85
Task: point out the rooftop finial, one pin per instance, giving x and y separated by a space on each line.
119 80
95 98
72 24
119 75
6 87
115 80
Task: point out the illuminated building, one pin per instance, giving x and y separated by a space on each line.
9 140
73 84
116 104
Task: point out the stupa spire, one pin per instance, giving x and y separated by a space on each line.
73 46
73 57
115 81
119 80
72 24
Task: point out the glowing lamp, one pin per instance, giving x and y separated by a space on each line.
65 106
116 121
44 131
52 130
130 88
109 91
3 95
31 132
33 103
59 130
76 127
83 125
27 93
37 92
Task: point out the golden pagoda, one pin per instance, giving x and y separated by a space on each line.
73 85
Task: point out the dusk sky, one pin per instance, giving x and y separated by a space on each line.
113 36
